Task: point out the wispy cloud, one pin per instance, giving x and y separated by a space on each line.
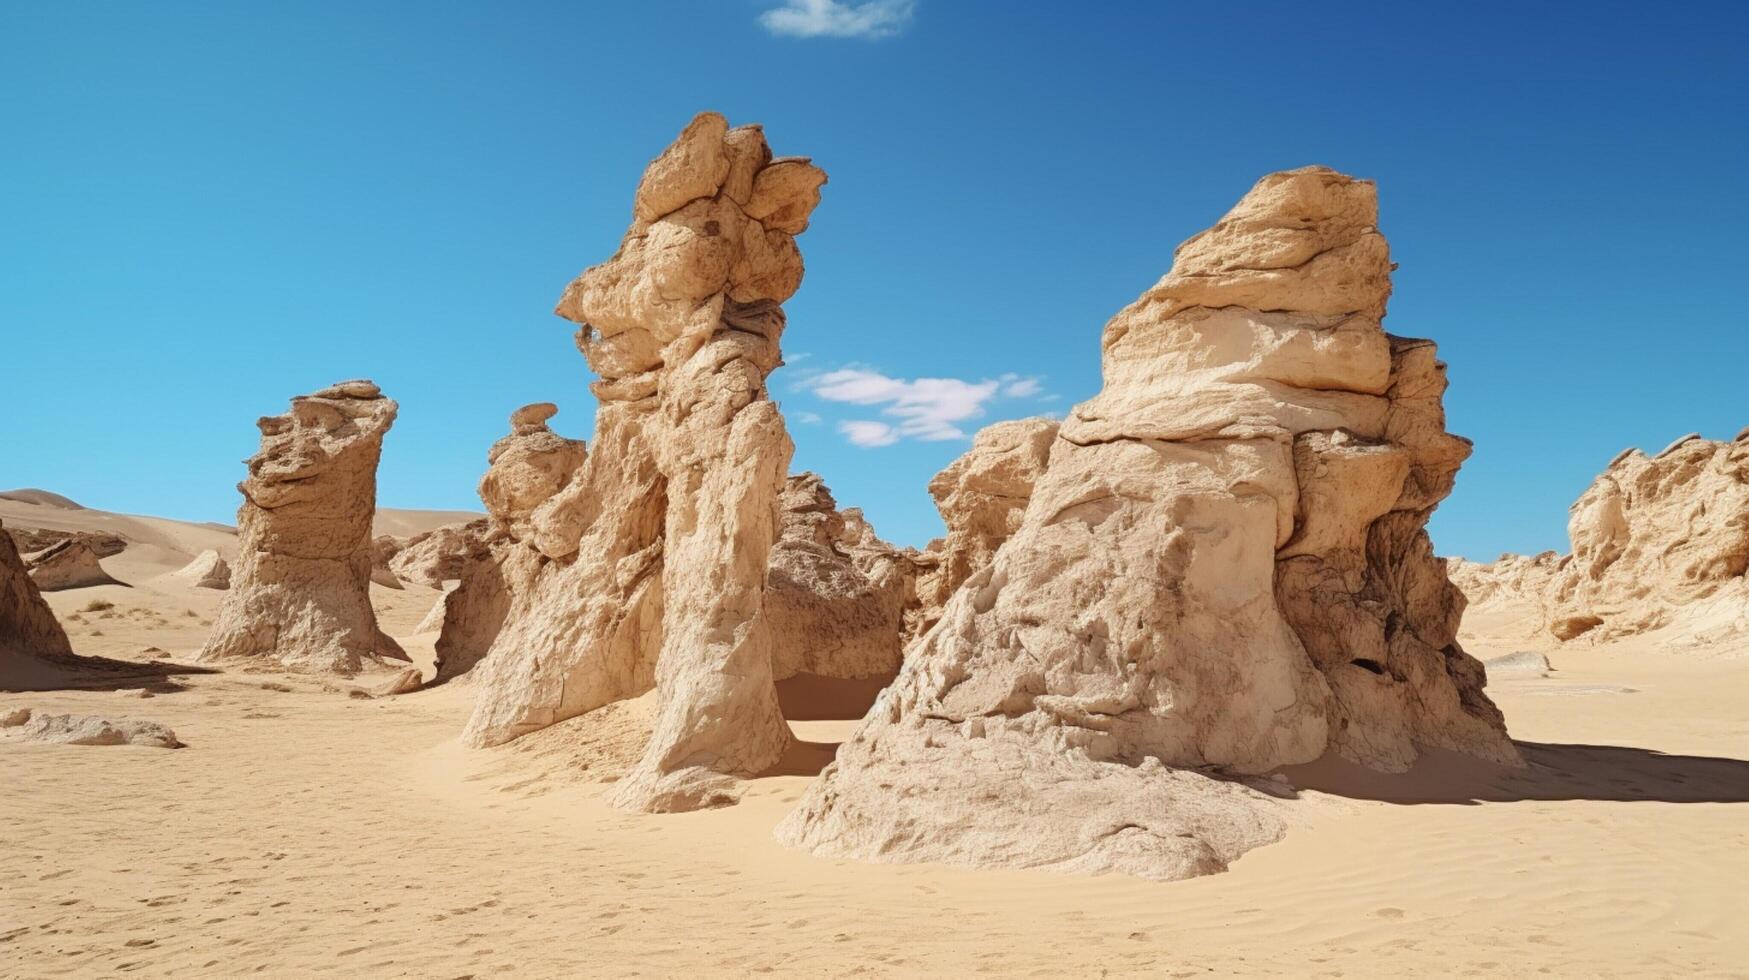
870 20
926 409
861 432
807 418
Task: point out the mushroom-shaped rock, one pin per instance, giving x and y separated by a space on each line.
300 596
1221 570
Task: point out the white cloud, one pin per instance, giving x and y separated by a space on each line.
865 433
808 418
871 19
1021 388
928 408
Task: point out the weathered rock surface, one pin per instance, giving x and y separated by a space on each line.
437 556
103 543
1659 543
301 592
89 730
834 593
981 497
1221 570
208 570
67 564
32 642
647 564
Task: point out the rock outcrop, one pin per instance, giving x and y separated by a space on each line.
103 543
1222 570
301 593
30 726
208 570
834 593
32 642
1659 543
981 497
647 565
437 556
67 564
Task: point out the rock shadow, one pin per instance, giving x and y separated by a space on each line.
83 673
1556 771
814 697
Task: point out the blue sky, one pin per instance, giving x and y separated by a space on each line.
211 207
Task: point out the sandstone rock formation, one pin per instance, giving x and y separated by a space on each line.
32 642
67 564
647 565
981 496
1659 543
301 592
1222 570
88 730
834 594
102 543
208 570
437 556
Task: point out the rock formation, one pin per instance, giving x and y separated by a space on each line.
32 642
102 543
208 570
981 497
29 726
1222 570
437 556
67 564
301 592
647 566
1658 543
834 594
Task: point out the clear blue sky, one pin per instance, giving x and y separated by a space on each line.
210 207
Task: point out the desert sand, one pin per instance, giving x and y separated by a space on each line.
305 831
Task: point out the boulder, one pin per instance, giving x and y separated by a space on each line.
208 570
102 543
301 593
1222 570
437 556
645 564
68 564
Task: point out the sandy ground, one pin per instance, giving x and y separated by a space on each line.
308 832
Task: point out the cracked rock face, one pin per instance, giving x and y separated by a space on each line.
1221 570
67 564
32 642
300 593
834 593
646 565
1659 541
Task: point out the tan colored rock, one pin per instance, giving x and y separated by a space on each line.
92 730
526 469
437 556
103 543
32 643
981 497
301 592
404 682
834 602
1659 542
383 550
67 564
208 570
1222 570
648 566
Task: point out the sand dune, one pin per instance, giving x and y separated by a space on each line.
304 831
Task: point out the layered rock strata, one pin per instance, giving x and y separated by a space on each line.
647 567
300 595
1221 570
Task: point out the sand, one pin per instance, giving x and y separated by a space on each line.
307 832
